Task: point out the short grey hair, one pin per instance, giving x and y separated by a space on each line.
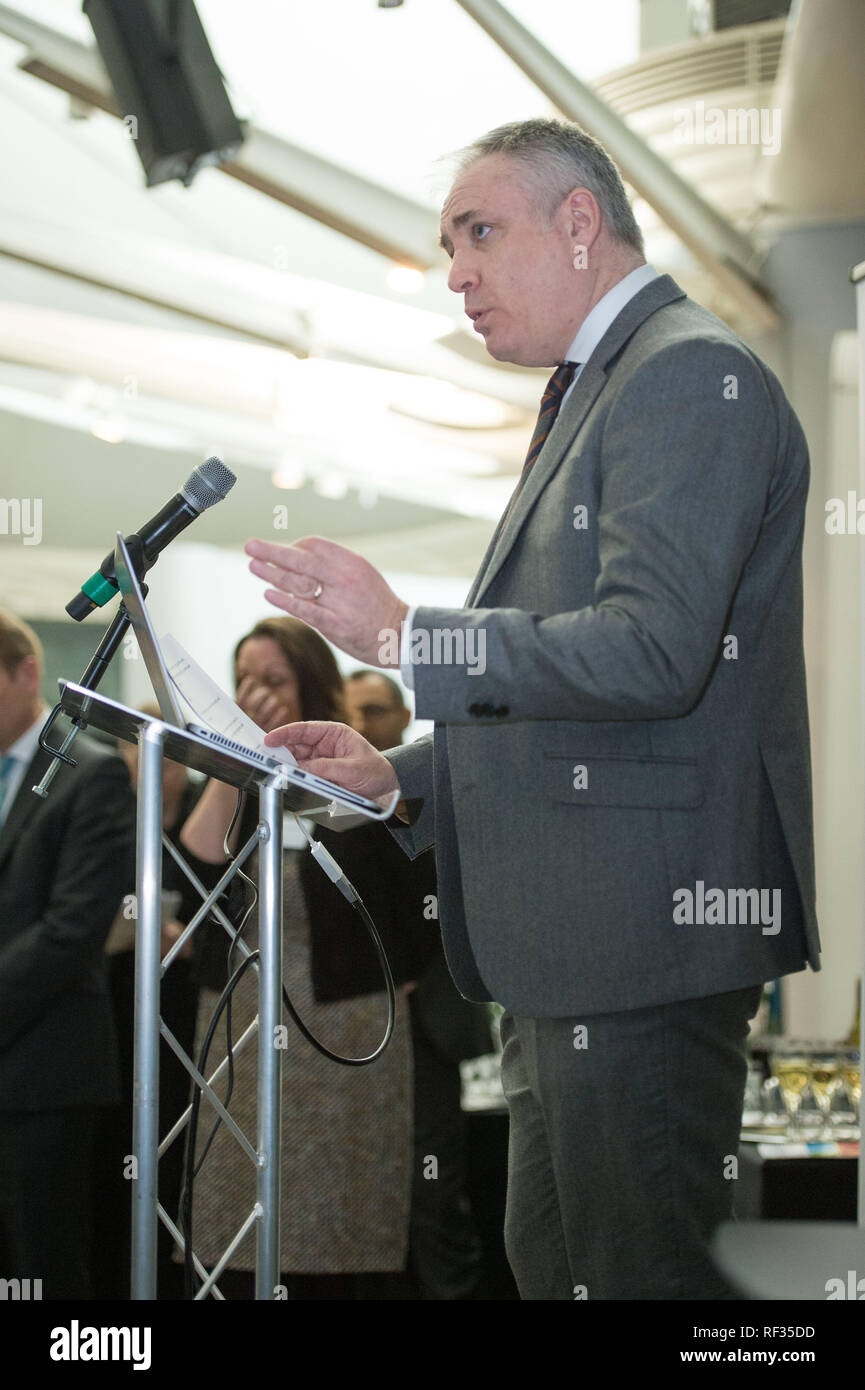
559 156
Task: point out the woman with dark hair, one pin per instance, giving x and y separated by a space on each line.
346 1131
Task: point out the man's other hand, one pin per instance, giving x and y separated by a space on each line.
339 754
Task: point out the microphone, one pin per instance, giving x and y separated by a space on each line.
206 486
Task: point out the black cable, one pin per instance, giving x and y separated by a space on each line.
391 1004
351 894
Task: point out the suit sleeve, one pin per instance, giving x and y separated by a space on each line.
686 474
413 765
94 863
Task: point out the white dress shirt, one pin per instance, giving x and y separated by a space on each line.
591 331
23 750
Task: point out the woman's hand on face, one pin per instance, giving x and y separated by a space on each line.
267 707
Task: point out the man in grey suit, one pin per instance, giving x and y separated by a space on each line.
618 784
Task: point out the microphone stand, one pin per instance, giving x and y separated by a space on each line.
99 663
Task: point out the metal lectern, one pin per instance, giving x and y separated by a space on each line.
156 739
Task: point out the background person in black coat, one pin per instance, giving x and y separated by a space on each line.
65 863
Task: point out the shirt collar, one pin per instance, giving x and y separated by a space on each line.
608 308
24 748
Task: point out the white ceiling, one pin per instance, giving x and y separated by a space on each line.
173 319
93 260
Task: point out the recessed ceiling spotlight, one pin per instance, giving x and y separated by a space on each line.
288 475
331 485
406 279
109 431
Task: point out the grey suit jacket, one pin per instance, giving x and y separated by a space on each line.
639 731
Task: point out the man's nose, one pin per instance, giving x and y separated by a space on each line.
463 275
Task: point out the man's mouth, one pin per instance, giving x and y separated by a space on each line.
476 315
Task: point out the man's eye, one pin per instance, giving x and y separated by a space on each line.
479 228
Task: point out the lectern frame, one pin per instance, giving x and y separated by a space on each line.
156 739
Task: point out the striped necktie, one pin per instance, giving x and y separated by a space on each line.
7 764
550 404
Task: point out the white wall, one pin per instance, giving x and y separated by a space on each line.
808 270
839 822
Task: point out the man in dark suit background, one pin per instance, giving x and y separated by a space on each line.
65 863
444 1256
618 784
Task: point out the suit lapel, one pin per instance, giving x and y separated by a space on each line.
24 807
568 421
566 425
479 577
591 381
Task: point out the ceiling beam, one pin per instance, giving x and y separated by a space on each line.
375 216
403 230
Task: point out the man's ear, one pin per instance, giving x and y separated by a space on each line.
29 674
584 216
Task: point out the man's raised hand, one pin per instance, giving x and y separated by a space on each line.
336 591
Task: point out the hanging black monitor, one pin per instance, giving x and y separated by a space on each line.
169 90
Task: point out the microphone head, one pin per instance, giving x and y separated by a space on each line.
210 482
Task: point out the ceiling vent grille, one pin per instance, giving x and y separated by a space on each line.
721 62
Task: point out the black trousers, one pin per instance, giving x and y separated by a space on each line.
445 1253
46 1216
